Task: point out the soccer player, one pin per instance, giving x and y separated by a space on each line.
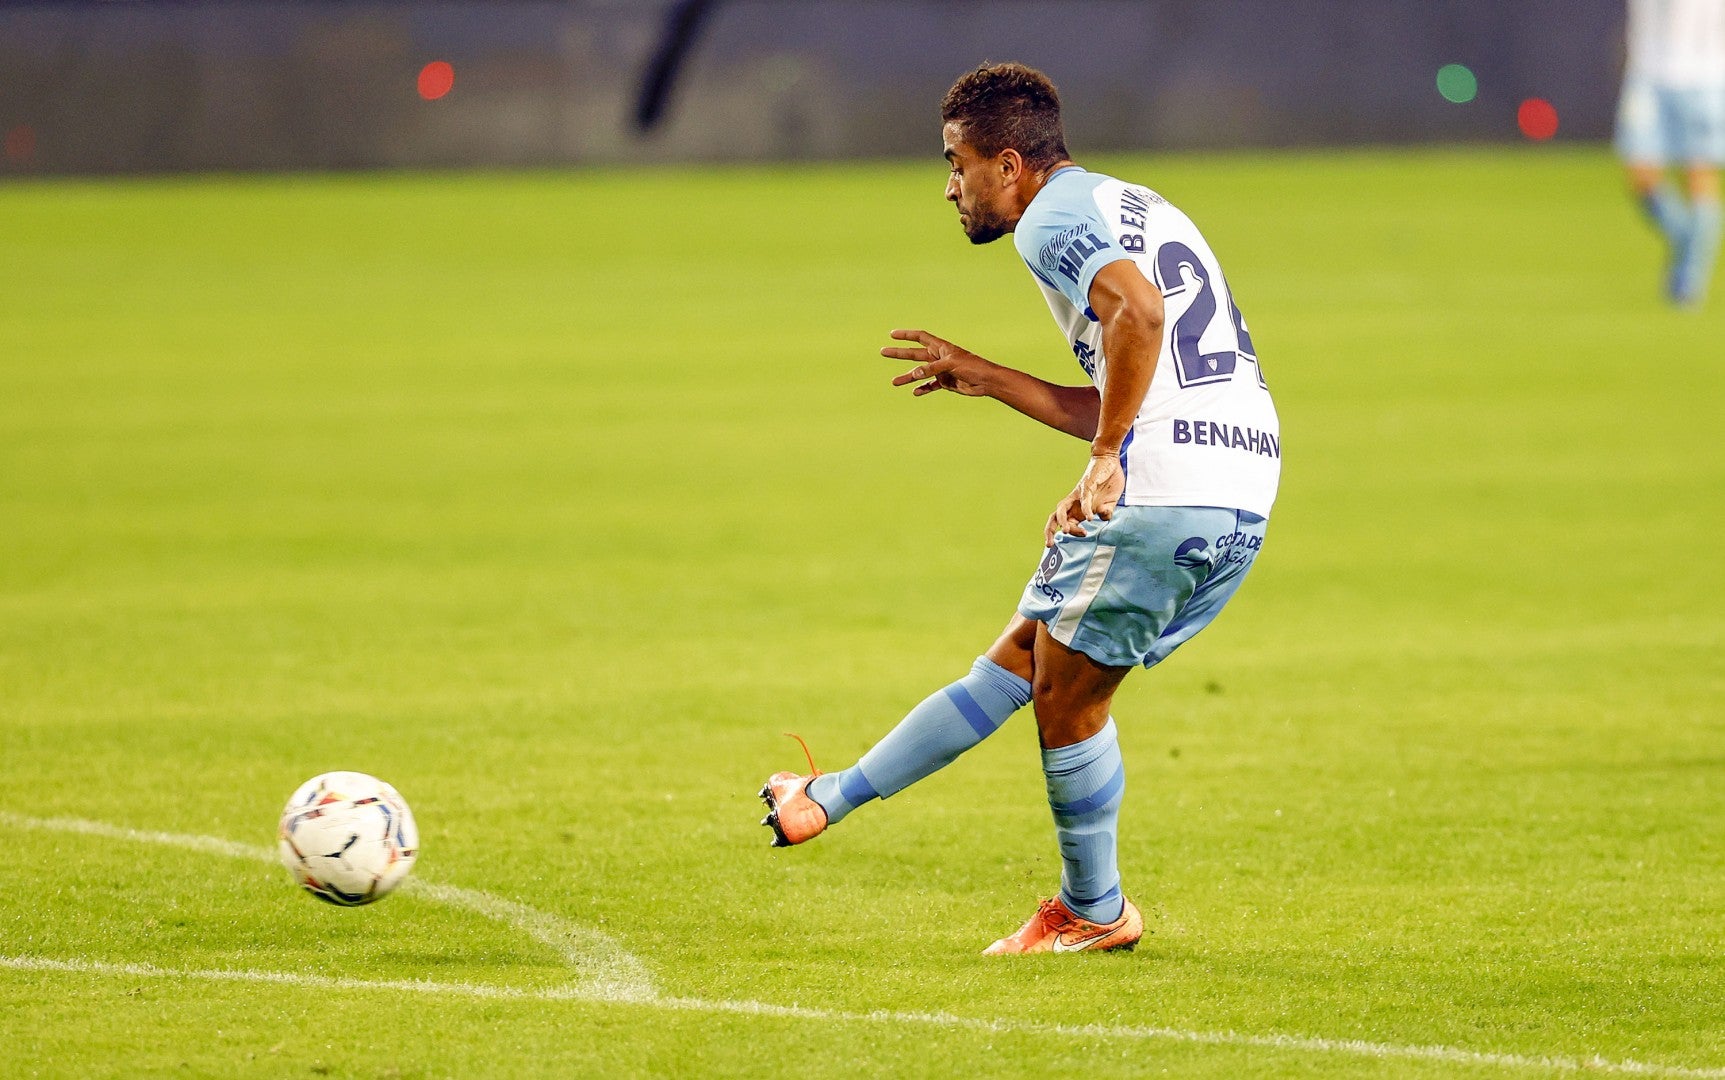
1672 113
1165 520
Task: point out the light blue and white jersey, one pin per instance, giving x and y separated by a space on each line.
1677 44
1207 433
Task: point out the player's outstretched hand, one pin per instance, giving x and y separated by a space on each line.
1095 496
940 365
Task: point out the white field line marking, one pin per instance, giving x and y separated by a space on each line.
1074 1032
619 985
604 970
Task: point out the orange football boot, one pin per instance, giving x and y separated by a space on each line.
1054 928
791 814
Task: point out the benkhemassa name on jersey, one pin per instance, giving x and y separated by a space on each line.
1206 434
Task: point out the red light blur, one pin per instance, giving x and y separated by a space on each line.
21 144
1537 119
436 79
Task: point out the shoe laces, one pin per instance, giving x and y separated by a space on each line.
812 770
1056 917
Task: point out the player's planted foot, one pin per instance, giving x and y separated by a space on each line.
791 814
1054 928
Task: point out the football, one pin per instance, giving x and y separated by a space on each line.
348 838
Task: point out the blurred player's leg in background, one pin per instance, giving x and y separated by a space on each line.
1662 202
1693 267
1644 140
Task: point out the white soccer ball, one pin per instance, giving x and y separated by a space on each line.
348 838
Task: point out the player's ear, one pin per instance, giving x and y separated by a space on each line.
1011 165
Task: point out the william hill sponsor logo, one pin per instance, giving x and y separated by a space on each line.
1069 249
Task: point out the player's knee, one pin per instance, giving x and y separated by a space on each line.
1644 179
1049 695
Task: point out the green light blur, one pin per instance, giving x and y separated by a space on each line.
1456 83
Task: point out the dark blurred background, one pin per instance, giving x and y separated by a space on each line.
149 86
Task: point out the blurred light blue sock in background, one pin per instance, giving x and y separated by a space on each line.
1692 267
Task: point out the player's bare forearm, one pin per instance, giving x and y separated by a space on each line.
941 365
1072 409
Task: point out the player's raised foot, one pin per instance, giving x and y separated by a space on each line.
791 814
1054 928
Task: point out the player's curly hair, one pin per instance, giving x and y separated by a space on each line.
1008 105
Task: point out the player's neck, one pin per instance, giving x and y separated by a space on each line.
1035 182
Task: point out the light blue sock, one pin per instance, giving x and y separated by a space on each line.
945 725
1085 784
1692 267
1667 210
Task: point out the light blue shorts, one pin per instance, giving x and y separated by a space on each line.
1141 584
1666 125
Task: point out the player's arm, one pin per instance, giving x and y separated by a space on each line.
1129 308
941 365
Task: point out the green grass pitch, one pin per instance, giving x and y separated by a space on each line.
555 498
